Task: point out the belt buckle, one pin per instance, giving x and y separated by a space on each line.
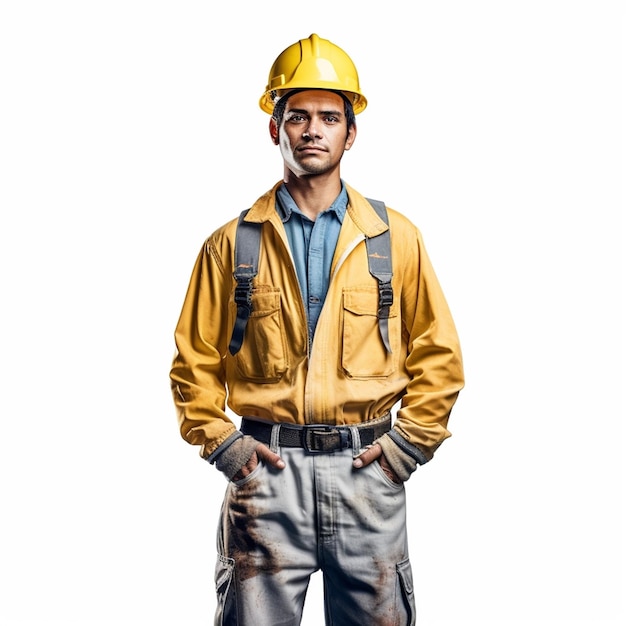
324 430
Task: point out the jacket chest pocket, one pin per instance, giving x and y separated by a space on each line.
363 354
262 356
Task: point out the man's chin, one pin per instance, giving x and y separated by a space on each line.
313 169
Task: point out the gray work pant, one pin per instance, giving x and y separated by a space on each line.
319 513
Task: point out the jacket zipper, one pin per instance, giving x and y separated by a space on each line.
309 416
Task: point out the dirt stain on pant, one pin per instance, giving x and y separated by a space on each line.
245 541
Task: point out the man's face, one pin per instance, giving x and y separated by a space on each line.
314 133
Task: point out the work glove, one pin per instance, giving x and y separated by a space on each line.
401 463
238 453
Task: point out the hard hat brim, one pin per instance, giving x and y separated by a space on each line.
267 102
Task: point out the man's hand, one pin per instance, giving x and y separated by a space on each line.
370 454
261 453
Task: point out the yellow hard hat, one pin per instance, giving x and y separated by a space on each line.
313 63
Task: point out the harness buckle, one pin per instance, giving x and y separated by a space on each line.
243 292
385 298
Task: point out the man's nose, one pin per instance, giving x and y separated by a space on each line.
314 129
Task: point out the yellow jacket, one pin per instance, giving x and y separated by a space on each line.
347 377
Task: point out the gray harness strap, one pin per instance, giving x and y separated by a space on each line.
379 261
247 246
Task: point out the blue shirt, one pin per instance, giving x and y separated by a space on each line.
312 245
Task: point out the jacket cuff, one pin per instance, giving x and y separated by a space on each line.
408 448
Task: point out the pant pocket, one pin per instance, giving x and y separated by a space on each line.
226 613
405 577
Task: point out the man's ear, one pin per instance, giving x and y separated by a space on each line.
351 137
273 131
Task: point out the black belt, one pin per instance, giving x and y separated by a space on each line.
315 437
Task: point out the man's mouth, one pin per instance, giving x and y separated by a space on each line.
309 148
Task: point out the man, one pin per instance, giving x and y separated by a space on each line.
312 343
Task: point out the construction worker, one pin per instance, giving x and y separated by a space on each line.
311 316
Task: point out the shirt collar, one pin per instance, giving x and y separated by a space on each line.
285 205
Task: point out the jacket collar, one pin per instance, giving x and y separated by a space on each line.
363 214
359 211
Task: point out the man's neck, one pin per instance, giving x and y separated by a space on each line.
313 194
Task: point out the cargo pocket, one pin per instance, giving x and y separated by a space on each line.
262 356
364 354
405 577
226 608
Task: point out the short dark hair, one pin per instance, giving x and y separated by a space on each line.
279 107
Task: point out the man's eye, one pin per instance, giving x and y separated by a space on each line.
331 119
296 118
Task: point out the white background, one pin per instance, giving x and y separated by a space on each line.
130 129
